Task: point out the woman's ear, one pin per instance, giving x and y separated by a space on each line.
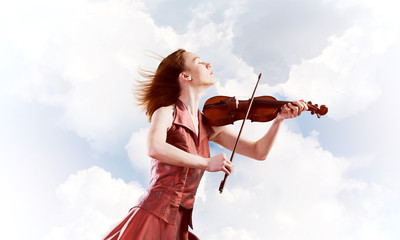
185 77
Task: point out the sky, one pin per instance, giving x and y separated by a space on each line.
72 140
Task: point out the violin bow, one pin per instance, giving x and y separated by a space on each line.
222 184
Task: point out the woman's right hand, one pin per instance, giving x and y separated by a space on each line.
219 163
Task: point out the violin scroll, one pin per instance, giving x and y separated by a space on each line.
313 108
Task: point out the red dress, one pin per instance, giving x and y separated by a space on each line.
165 209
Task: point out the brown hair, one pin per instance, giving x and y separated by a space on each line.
161 88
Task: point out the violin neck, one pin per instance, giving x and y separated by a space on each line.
279 104
271 102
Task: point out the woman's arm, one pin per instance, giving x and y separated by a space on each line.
259 149
159 149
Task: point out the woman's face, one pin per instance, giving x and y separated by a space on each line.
199 71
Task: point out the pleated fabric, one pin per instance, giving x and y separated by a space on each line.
140 224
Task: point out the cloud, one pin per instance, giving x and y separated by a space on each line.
84 61
93 202
344 74
271 36
300 192
338 64
137 152
230 233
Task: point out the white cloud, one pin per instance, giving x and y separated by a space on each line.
137 151
230 233
344 76
273 35
84 60
300 192
93 202
340 76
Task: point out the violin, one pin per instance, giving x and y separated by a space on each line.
223 110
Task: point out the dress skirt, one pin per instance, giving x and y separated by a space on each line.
141 224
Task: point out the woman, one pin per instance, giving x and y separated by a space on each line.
178 146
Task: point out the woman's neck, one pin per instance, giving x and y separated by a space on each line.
191 103
190 96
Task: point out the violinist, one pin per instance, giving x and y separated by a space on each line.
178 145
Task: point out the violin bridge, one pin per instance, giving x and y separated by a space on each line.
237 103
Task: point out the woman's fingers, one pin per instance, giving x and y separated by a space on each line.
294 109
228 166
220 163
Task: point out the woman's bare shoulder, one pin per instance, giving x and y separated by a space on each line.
165 111
164 116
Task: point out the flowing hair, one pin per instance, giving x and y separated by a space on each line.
161 88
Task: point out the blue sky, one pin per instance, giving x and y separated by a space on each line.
72 140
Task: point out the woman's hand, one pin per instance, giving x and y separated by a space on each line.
292 110
219 163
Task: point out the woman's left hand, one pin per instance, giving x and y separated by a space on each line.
292 110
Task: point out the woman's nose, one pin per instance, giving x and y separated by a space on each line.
208 65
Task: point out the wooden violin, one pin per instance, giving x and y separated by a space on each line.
223 110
